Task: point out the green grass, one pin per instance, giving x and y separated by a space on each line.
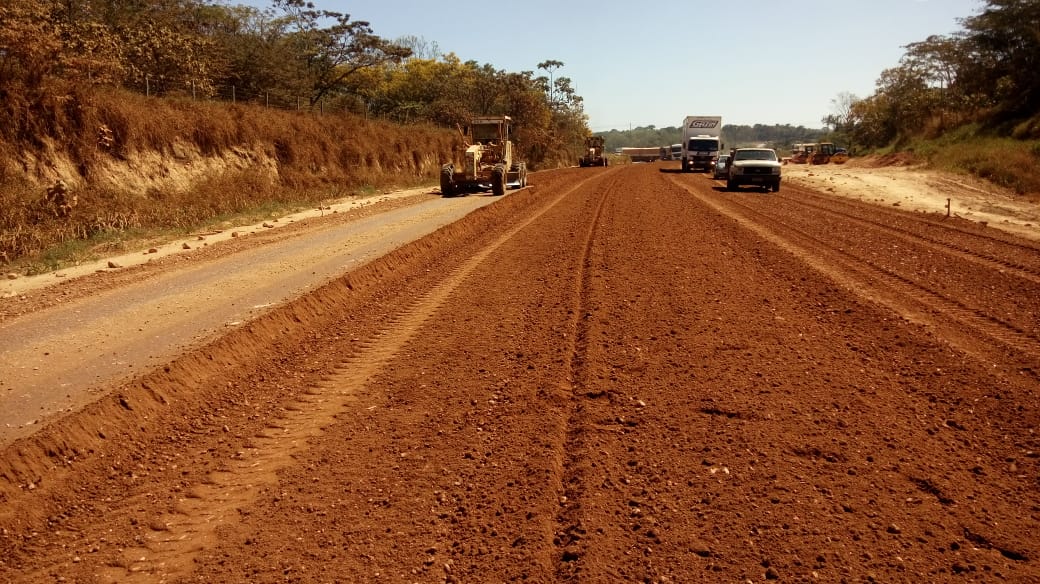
1007 162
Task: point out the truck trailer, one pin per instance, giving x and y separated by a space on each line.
642 154
701 142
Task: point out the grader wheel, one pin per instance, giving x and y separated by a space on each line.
498 181
447 181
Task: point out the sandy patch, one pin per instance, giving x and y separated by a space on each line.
917 188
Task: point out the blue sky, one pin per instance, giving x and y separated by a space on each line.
640 63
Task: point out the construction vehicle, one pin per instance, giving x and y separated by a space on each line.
813 153
594 155
822 153
800 153
488 163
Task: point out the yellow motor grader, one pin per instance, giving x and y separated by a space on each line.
488 163
594 155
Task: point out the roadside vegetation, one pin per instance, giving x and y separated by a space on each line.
968 102
126 119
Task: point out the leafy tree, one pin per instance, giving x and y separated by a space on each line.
326 56
874 125
550 66
254 57
1004 43
162 59
30 44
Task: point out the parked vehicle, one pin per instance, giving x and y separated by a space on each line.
822 154
800 153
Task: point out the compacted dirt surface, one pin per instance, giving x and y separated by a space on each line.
621 374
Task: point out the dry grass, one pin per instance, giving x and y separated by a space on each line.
140 165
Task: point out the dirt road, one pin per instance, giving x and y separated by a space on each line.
617 375
55 360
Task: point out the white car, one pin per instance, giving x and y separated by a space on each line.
753 166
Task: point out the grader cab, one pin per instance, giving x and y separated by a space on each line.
488 162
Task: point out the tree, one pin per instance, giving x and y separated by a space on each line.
163 59
326 56
420 47
160 44
550 66
875 126
29 43
255 57
1004 45
842 118
841 108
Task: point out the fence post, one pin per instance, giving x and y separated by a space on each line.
232 94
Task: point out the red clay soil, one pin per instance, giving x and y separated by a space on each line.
616 375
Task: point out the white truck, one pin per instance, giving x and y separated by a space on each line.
701 142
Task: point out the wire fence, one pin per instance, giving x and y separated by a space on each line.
276 99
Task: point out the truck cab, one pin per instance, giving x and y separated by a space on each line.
701 142
700 153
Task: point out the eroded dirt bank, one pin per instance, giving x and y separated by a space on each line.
619 374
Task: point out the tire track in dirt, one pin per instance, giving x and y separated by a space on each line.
568 531
989 260
971 330
931 219
176 539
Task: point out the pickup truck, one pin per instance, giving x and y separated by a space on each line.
753 166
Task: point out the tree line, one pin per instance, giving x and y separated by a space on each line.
733 135
290 53
985 73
